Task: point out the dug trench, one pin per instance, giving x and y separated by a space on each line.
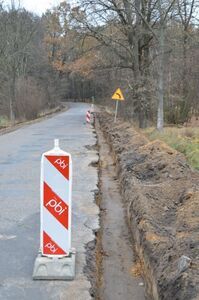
111 264
160 201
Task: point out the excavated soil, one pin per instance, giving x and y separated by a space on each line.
117 264
161 195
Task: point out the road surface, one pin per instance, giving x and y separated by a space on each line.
19 199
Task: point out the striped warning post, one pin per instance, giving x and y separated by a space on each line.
88 116
56 186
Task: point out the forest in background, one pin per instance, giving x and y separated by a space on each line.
83 52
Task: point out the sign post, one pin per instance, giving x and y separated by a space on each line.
116 110
55 223
118 96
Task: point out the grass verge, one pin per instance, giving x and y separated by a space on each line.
4 122
184 140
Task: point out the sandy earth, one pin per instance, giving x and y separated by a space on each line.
118 280
161 196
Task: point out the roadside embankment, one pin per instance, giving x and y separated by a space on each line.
8 127
161 196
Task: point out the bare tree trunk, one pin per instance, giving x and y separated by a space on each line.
12 98
184 104
185 10
12 118
137 67
160 115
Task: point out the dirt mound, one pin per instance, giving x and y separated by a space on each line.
161 193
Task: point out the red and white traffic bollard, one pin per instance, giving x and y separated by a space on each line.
88 116
55 226
56 185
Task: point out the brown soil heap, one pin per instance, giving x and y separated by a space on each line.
161 194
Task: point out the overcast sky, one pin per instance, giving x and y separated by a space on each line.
36 6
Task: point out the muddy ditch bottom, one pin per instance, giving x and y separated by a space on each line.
119 278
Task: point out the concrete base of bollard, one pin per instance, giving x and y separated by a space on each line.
54 268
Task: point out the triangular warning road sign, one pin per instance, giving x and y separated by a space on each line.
118 95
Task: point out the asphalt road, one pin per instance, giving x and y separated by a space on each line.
20 153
